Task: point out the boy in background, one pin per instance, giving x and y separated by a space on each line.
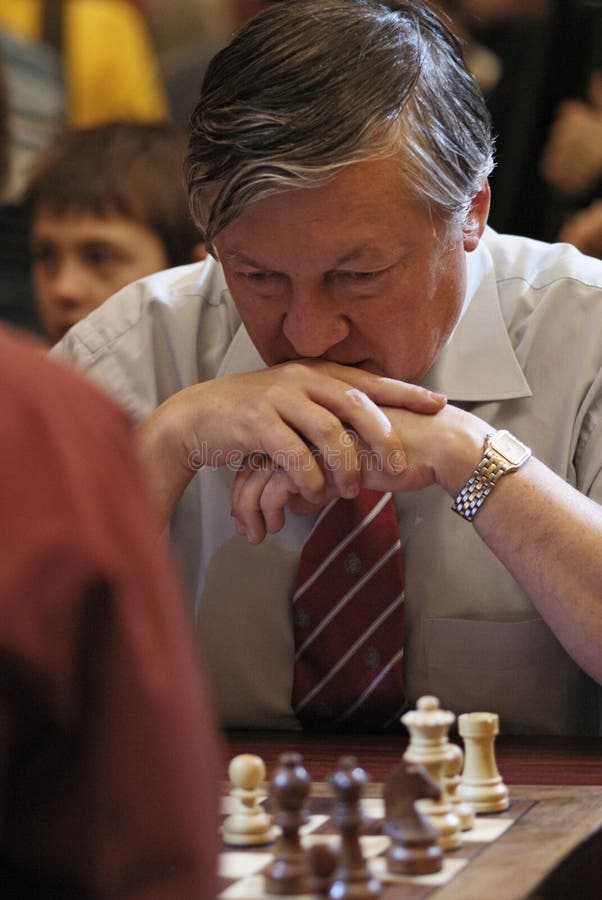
107 206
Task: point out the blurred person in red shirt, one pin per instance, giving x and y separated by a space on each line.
109 757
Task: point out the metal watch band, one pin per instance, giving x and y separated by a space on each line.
481 483
502 453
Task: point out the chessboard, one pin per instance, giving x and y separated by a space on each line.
547 844
442 824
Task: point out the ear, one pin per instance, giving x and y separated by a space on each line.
198 253
477 218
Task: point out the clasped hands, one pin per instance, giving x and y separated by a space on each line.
300 434
263 490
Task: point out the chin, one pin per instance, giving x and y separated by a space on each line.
59 333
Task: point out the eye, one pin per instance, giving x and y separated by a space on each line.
357 277
260 278
42 254
256 276
100 256
361 276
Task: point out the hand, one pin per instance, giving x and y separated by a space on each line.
584 230
572 158
442 449
290 414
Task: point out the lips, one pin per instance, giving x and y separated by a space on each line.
354 364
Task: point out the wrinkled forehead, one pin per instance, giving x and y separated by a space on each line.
365 208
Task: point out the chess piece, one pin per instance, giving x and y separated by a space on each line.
352 877
414 848
249 824
323 861
481 782
451 781
429 747
289 872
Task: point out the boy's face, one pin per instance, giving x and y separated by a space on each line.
79 259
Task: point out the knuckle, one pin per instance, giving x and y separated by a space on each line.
357 398
295 370
329 433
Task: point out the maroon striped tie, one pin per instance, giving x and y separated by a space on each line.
348 617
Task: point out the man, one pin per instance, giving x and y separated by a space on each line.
338 168
109 767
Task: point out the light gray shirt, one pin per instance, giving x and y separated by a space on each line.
526 355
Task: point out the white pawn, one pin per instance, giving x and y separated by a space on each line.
481 782
451 781
249 824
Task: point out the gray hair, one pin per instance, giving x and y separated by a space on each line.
311 86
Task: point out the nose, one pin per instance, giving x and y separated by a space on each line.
313 324
67 285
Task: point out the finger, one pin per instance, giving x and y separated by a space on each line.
287 447
337 416
246 493
389 391
240 478
275 497
335 447
300 507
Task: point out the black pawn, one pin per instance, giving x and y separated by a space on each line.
289 872
352 877
414 849
323 860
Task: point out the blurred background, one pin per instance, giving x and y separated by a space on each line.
79 63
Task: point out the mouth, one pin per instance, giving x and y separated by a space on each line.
366 364
351 364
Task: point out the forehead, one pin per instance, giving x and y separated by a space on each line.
365 206
82 224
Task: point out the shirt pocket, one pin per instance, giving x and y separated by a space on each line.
515 669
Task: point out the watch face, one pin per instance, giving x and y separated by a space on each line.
510 448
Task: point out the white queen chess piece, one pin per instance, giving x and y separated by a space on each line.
429 746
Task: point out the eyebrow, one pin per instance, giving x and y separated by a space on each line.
238 257
354 254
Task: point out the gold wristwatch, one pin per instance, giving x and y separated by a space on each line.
502 453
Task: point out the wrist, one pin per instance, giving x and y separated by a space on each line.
503 454
167 468
458 449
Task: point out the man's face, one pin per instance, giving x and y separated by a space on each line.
356 272
80 259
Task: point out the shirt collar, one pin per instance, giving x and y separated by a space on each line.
478 362
241 356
